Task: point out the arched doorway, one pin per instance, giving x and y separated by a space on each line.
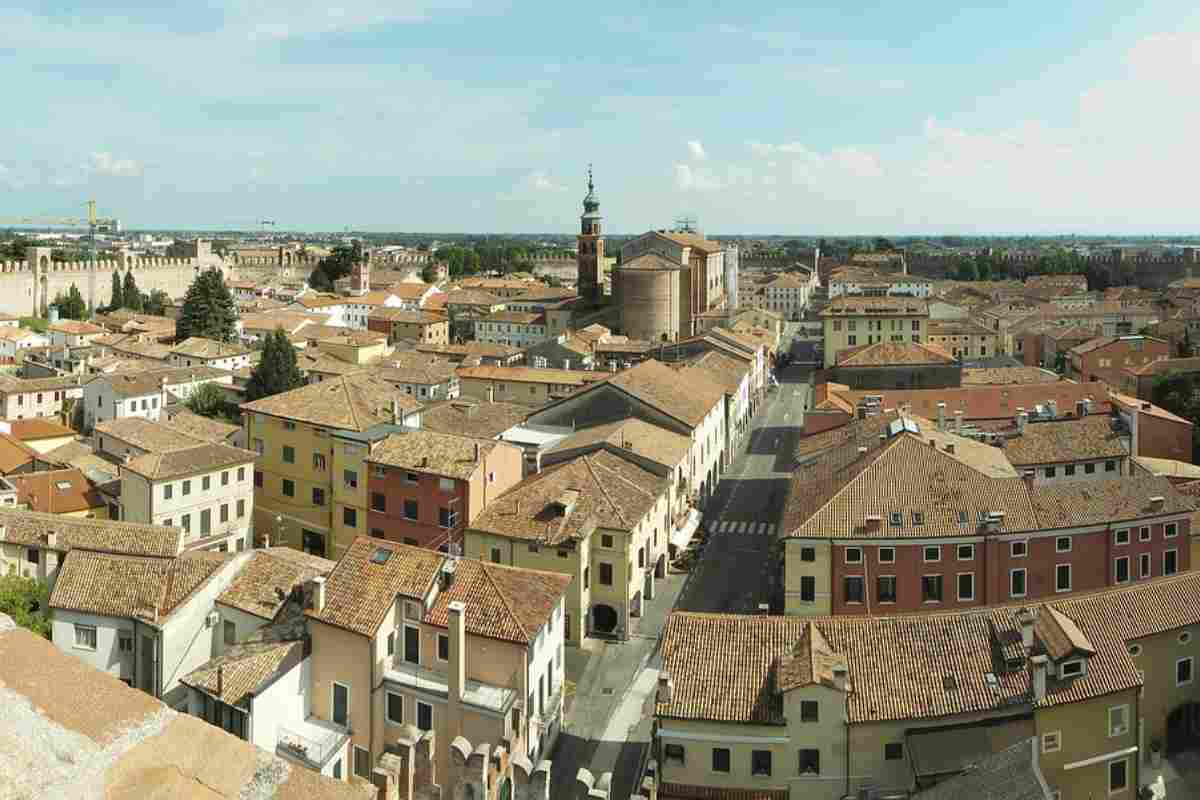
604 618
1183 728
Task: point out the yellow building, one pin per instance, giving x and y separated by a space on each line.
310 483
964 338
529 386
852 321
353 347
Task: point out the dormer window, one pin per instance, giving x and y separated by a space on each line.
1072 669
918 518
896 519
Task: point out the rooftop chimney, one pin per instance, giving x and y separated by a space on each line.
220 680
950 448
1026 618
841 678
874 521
457 672
958 420
941 415
1022 420
491 393
1052 407
1039 663
477 452
862 451
1029 476
1080 409
666 687
52 540
1157 501
318 593
397 414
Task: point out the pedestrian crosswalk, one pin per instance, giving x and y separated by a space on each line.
743 527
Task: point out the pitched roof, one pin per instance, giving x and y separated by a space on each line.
1010 774
1145 407
995 376
137 384
472 417
142 587
1058 440
445 454
17 334
184 422
199 347
188 460
568 501
264 584
347 402
855 305
473 297
650 261
657 385
14 454
515 317
1191 364
173 755
693 240
58 491
112 536
242 669
569 377
360 590
502 602
890 354
986 402
406 316
719 368
75 327
1067 504
633 434
145 434
33 429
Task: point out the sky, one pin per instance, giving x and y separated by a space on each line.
483 115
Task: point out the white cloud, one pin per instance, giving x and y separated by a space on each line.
696 150
105 163
541 182
694 179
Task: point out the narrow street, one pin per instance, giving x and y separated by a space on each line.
607 728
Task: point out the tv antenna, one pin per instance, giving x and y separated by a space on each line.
686 224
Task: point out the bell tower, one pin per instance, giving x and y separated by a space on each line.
590 256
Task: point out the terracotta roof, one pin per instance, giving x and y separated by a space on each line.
635 435
987 402
650 261
325 364
242 669
854 305
141 587
1093 344
268 578
59 491
1169 468
290 321
406 316
657 385
17 334
1164 365
75 327
502 602
472 417
1007 376
145 434
958 327
31 430
483 349
137 384
323 334
346 402
199 347
410 291
570 377
1145 407
810 662
1010 774
413 367
515 318
890 354
568 501
444 454
473 297
692 240
1069 332
855 432
187 423
683 791
11 385
359 591
593 333
1059 440
112 536
716 367
188 460
14 454
1067 504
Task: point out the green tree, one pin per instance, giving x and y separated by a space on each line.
208 401
429 273
277 371
27 601
14 249
966 270
1185 344
1177 393
208 309
130 294
71 304
157 302
118 294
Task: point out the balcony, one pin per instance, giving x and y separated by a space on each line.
312 742
497 699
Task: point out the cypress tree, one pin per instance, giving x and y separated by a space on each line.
277 371
208 309
118 296
130 294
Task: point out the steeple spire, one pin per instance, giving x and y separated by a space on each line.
591 188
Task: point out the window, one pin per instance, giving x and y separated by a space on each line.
853 555
808 589
887 555
349 517
378 501
809 761
205 522
1062 544
362 762
760 762
241 508
886 588
289 454
350 478
606 540
1062 578
606 574
1170 562
168 491
931 589
496 558
720 759
1121 569
808 554
318 496
448 518
258 479
966 552
1018 549
319 461
1183 671
1185 637
1110 466
410 510
205 483
809 711
185 522
918 518
895 519
673 752
85 637
854 588
1121 537
187 488
1144 533
125 642
1170 530
337 770
1052 742
586 573
933 553
1144 565
229 632
1118 720
966 586
424 716
445 485
412 477
1118 776
1050 471
1069 469
1071 669
241 474
289 487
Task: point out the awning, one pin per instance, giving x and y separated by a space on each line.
948 751
684 533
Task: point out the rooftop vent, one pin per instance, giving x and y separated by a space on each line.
381 555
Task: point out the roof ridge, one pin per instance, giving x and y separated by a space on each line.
587 460
503 600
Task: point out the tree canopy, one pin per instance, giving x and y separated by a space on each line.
208 309
277 371
118 293
71 305
1177 393
130 294
27 601
208 401
336 265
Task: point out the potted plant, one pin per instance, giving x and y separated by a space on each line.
1156 753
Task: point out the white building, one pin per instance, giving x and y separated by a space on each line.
866 282
514 328
14 339
789 294
74 333
198 351
143 394
358 309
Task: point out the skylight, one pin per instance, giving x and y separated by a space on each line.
381 555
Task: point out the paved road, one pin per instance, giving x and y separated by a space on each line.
607 728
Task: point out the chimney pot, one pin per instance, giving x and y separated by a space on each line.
1157 501
950 448
52 540
1026 619
1040 663
874 521
666 687
941 415
318 595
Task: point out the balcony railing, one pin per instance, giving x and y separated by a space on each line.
315 745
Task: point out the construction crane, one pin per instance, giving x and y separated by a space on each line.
93 224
